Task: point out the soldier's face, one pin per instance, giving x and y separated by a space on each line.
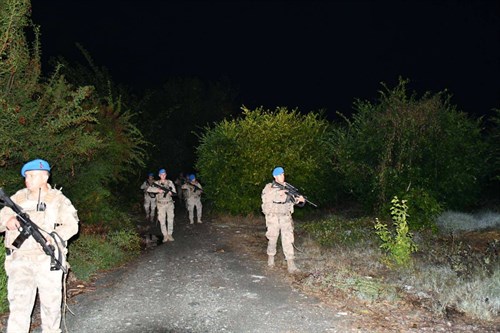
163 176
36 179
280 178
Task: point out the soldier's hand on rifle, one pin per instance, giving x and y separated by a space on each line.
12 223
300 199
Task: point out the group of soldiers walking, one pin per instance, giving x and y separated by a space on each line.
159 198
278 204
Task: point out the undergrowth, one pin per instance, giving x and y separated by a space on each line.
91 253
347 259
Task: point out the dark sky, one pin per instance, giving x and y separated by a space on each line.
301 54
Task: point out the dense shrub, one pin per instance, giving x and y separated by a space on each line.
87 135
236 157
404 144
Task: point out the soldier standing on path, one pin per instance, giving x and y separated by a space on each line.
277 206
149 198
193 190
165 190
27 266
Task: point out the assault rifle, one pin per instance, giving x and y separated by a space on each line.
164 188
292 191
196 187
29 228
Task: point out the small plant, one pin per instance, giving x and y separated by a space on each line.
398 244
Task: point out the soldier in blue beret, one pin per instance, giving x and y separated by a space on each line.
28 268
193 190
278 208
165 191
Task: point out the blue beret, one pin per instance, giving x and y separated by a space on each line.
150 174
162 171
35 165
192 177
278 171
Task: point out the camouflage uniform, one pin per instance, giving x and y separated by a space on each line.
278 205
28 267
165 206
278 210
149 201
193 199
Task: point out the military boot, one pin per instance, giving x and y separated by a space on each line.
270 261
291 266
170 238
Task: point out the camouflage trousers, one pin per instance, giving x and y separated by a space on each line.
149 207
276 224
25 274
166 212
193 203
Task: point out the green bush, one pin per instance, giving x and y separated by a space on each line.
398 244
424 209
88 136
236 157
405 143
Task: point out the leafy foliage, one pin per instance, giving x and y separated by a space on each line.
493 160
84 131
404 143
236 157
398 244
38 119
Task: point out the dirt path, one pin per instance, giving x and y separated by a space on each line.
198 283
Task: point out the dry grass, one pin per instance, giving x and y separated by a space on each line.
349 275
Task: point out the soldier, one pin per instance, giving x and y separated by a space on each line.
278 207
179 181
165 190
149 198
193 198
28 268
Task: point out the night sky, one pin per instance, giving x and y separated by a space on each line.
303 54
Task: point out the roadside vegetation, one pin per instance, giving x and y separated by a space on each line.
408 170
448 274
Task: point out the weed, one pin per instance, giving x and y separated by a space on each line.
399 245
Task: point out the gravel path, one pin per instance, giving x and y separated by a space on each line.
198 284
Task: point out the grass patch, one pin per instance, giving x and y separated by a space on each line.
4 303
338 231
91 253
